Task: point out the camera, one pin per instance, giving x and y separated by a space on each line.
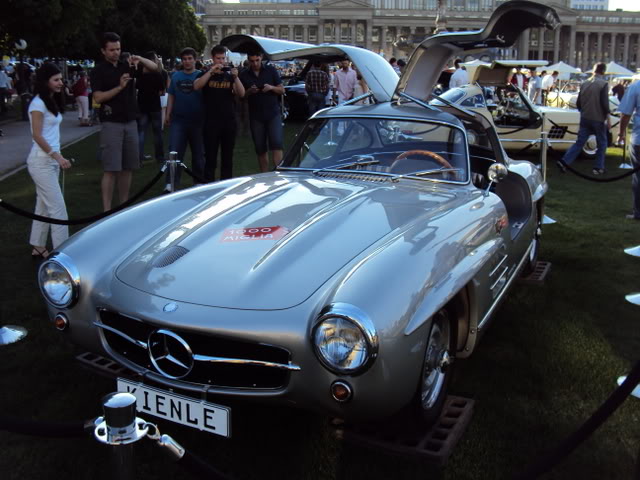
226 69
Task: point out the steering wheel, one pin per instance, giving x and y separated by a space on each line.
426 153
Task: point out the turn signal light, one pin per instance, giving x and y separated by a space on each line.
61 322
341 391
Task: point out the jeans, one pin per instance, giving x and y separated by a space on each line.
587 128
266 134
155 119
634 154
315 101
183 132
219 135
45 171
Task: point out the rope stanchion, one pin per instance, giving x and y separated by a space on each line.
554 457
80 221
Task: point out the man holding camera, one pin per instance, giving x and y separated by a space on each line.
114 90
264 88
219 85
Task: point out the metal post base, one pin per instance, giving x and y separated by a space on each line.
633 251
548 220
633 298
625 166
11 334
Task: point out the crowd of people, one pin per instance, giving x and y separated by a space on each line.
203 104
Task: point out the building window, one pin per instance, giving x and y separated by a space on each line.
284 32
229 12
587 19
473 5
299 12
601 19
313 34
614 19
269 12
243 12
256 12
285 12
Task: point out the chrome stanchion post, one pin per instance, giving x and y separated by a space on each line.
544 144
120 428
173 164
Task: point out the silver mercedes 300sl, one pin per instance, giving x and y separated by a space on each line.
346 281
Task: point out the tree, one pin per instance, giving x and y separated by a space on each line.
72 28
52 28
165 26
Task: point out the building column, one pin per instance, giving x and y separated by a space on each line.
276 30
524 45
305 33
320 35
540 43
353 32
585 51
625 51
290 32
600 50
612 47
572 46
556 44
383 39
368 33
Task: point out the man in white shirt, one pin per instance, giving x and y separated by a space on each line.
460 76
345 82
5 86
535 87
547 84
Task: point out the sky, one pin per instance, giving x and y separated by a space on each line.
628 5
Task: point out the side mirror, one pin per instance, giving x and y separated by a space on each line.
496 173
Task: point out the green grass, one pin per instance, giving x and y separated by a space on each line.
550 358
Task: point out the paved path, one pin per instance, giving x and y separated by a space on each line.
16 142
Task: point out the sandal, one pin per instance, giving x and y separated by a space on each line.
39 253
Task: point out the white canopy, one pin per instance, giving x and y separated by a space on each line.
562 67
614 69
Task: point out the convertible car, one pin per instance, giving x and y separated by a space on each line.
517 120
346 282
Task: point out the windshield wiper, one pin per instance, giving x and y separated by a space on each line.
423 173
364 161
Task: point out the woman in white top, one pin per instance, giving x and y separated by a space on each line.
45 160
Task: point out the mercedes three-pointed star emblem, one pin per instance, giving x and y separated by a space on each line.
170 354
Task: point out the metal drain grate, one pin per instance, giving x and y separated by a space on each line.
435 444
538 275
104 366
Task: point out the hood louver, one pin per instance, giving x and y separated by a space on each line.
168 256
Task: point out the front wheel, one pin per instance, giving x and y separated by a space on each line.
437 368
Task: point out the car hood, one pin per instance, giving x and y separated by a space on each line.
506 24
379 75
271 242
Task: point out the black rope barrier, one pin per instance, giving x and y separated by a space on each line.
198 467
189 172
555 456
559 126
46 429
512 131
589 177
80 221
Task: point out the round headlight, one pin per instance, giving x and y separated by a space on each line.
58 285
344 339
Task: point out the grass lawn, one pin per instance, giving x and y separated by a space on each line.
548 361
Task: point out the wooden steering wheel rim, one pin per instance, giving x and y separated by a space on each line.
427 153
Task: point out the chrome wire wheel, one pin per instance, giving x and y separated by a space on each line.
591 147
437 359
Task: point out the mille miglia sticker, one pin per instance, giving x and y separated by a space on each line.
253 233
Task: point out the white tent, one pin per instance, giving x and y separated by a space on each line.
614 69
565 70
562 67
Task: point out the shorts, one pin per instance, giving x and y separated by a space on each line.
119 146
266 134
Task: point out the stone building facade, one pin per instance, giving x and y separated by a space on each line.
394 27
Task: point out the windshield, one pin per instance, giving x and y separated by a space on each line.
386 146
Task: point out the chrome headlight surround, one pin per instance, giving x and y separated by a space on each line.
59 268
361 322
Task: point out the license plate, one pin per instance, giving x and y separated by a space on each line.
179 409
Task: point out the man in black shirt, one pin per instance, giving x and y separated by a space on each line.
151 86
219 84
264 88
114 90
